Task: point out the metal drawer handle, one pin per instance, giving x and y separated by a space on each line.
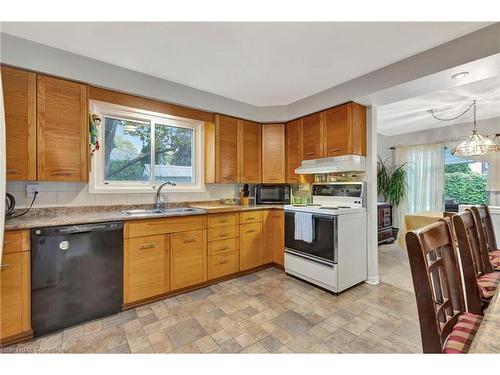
11 170
148 246
336 149
223 248
4 266
310 153
250 231
6 242
224 262
224 234
223 221
250 218
187 240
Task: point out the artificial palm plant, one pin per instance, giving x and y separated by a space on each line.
391 183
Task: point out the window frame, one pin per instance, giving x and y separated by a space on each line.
97 183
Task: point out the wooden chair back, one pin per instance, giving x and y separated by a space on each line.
467 236
482 215
479 215
436 279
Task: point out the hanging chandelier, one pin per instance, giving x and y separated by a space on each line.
476 144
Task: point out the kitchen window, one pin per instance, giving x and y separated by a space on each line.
141 149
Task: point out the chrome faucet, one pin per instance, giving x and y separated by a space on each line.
158 192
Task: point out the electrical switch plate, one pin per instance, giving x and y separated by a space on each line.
31 188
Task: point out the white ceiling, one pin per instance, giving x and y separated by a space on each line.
261 64
411 115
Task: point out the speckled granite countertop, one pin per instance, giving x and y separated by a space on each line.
487 338
56 216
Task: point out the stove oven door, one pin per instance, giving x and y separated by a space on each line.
323 249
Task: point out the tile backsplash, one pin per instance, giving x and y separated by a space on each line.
63 194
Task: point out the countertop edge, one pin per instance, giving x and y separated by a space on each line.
105 216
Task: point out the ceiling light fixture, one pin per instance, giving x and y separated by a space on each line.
475 145
460 75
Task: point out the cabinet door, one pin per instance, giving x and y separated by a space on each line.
14 294
338 131
278 230
188 259
226 149
19 95
250 152
312 137
345 130
250 245
145 267
267 237
273 153
293 150
62 126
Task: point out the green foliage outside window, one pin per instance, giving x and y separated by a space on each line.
466 187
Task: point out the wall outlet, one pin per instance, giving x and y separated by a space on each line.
31 188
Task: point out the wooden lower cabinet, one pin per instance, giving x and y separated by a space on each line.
250 245
273 247
146 267
188 259
277 218
222 264
15 295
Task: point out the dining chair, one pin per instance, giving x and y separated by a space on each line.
479 280
487 238
445 326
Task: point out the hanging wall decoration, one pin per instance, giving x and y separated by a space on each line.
94 122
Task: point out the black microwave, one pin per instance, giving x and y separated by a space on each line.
272 194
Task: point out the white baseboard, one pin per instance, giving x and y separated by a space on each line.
373 280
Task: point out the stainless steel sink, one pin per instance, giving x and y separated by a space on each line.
162 211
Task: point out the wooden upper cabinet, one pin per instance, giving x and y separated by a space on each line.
345 130
312 136
226 149
273 153
62 130
19 95
250 152
293 150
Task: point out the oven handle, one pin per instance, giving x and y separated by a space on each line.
302 255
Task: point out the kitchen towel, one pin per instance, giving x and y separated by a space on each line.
304 228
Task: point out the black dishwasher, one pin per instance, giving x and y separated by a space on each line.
76 274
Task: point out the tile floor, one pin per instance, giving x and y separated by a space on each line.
394 266
265 312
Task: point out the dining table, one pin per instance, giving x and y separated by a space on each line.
487 339
417 220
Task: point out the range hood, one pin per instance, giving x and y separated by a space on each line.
346 163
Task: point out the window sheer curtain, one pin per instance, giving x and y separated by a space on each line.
425 177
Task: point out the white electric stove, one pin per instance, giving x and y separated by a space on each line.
336 258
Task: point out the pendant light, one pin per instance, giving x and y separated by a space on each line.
476 144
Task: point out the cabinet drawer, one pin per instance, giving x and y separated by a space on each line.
145 267
215 247
14 294
222 264
188 259
222 233
250 217
17 240
151 227
220 220
386 211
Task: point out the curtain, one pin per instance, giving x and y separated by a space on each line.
425 177
494 178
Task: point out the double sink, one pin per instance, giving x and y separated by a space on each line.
163 211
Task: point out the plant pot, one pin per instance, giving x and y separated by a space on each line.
395 232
